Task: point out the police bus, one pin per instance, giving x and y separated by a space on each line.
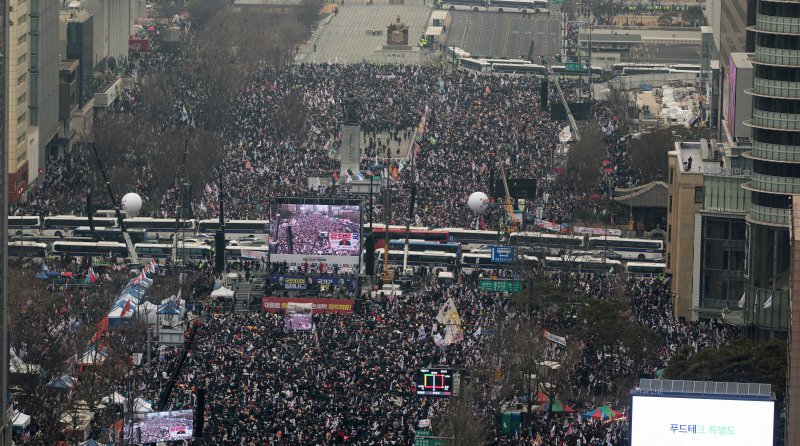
192 251
162 228
64 225
472 238
24 224
433 261
628 248
557 244
476 261
645 269
480 66
109 234
90 249
26 249
422 245
583 264
236 229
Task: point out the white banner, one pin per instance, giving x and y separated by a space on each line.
560 340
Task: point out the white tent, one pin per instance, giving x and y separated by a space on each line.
21 421
148 312
116 398
222 292
141 405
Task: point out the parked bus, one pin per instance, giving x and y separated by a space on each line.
472 261
192 251
397 232
236 229
433 261
64 225
628 248
556 244
512 68
466 5
473 238
475 65
25 249
422 245
246 252
646 269
517 5
110 213
24 224
90 249
583 264
110 234
162 228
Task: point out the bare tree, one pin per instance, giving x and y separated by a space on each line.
464 422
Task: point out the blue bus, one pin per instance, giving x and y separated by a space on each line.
423 245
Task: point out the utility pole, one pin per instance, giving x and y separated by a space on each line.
131 251
178 205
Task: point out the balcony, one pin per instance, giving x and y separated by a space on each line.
775 121
775 89
106 92
778 25
768 215
775 56
775 152
778 185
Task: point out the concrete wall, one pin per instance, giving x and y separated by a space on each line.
112 25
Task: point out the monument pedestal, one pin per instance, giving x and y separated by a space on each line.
350 150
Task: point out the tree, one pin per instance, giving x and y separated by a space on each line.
618 101
584 160
741 360
666 18
649 154
693 16
462 420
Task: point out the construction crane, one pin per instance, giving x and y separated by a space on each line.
513 224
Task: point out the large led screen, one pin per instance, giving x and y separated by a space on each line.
318 235
673 421
154 427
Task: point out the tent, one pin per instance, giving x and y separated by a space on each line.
116 398
62 382
21 421
222 293
141 405
92 356
557 406
149 312
602 413
91 442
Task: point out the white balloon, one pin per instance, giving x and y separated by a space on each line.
478 202
131 203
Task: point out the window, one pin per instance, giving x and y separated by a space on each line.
671 174
21 99
669 233
21 118
21 59
698 194
22 78
22 39
670 203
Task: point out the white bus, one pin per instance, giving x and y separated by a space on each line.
556 244
192 251
517 5
433 261
110 234
162 228
90 249
475 65
645 269
22 249
583 264
64 225
471 261
24 224
472 238
246 252
514 68
236 229
628 248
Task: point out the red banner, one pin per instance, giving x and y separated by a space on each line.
278 304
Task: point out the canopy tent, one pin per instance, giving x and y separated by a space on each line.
222 292
603 412
92 442
62 382
170 307
141 405
557 406
116 398
21 421
92 356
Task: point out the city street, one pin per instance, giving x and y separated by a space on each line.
496 34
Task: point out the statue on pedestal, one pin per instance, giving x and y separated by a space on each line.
397 33
351 109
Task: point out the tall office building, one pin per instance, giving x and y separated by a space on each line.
16 117
112 26
775 158
732 35
5 434
43 82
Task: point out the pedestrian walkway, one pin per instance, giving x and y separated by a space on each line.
347 37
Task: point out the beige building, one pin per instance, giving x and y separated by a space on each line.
706 228
793 381
17 116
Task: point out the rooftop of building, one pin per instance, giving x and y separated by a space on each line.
698 157
741 60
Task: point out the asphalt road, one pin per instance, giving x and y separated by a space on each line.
505 34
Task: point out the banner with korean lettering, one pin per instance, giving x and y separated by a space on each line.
280 304
560 340
293 282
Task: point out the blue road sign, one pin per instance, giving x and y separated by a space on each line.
504 254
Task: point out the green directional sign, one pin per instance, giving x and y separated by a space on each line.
573 66
430 441
501 285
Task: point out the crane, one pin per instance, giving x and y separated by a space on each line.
513 224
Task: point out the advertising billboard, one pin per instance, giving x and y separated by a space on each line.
434 382
314 233
683 421
157 427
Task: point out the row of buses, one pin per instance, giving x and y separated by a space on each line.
523 6
521 66
107 227
119 252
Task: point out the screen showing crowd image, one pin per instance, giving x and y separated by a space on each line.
316 229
